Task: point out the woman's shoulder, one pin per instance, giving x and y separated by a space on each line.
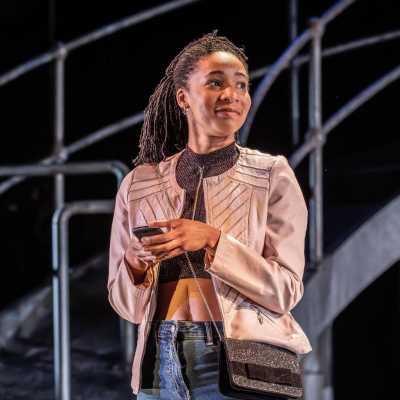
255 158
156 170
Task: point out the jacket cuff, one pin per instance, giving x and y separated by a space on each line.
148 280
214 258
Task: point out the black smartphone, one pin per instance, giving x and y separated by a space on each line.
140 231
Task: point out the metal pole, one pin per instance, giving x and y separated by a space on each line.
128 331
60 242
315 166
57 362
61 377
65 350
59 123
294 75
317 387
61 329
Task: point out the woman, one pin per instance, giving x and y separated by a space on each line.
237 213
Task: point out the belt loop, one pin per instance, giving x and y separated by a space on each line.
209 341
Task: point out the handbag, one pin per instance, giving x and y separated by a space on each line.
254 370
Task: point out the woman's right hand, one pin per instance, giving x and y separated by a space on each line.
138 258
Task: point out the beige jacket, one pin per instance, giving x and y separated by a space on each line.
258 265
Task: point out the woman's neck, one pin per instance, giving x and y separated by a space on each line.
208 144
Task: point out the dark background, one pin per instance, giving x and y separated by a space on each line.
113 78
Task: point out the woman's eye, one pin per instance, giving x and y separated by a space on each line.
242 85
215 82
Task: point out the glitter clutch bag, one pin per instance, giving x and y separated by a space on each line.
253 370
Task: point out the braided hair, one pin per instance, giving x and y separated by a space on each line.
165 128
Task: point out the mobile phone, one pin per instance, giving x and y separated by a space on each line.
145 230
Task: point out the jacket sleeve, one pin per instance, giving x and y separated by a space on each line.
273 279
128 299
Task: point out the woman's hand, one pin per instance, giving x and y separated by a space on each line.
183 235
137 257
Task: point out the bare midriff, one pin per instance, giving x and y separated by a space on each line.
181 300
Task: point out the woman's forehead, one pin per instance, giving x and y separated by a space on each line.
220 61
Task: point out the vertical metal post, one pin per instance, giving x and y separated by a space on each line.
56 311
59 123
315 164
61 328
319 377
62 372
294 75
317 367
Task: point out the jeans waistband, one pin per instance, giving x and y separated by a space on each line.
187 329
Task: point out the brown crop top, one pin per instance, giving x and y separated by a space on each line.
187 176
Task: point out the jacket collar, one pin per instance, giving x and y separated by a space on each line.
215 179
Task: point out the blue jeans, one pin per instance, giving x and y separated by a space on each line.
181 362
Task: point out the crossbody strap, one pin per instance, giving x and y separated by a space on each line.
203 297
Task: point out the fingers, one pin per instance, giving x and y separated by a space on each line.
165 256
161 238
163 248
158 224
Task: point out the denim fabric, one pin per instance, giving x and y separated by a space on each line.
181 362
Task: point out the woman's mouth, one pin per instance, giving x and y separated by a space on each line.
227 112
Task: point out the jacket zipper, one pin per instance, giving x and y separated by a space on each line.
260 313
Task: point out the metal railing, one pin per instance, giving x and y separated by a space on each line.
60 260
137 118
317 132
313 35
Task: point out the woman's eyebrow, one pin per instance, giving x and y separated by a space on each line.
219 72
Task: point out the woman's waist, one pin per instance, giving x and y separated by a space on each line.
183 300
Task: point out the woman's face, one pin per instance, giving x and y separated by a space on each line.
217 95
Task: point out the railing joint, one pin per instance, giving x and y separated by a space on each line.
61 51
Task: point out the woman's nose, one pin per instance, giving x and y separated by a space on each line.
229 95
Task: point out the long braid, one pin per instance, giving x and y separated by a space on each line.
165 128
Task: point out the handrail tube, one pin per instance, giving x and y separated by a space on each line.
128 22
356 44
269 79
105 132
283 62
116 167
340 115
59 123
332 12
93 36
61 326
62 369
294 76
78 145
316 163
335 50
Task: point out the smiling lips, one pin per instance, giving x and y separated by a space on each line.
227 111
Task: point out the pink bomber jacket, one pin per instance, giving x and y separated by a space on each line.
258 264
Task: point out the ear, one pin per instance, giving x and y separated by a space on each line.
181 98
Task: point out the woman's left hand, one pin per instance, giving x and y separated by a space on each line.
183 235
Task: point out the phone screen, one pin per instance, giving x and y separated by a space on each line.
141 231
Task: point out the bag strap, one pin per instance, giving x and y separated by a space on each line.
204 298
